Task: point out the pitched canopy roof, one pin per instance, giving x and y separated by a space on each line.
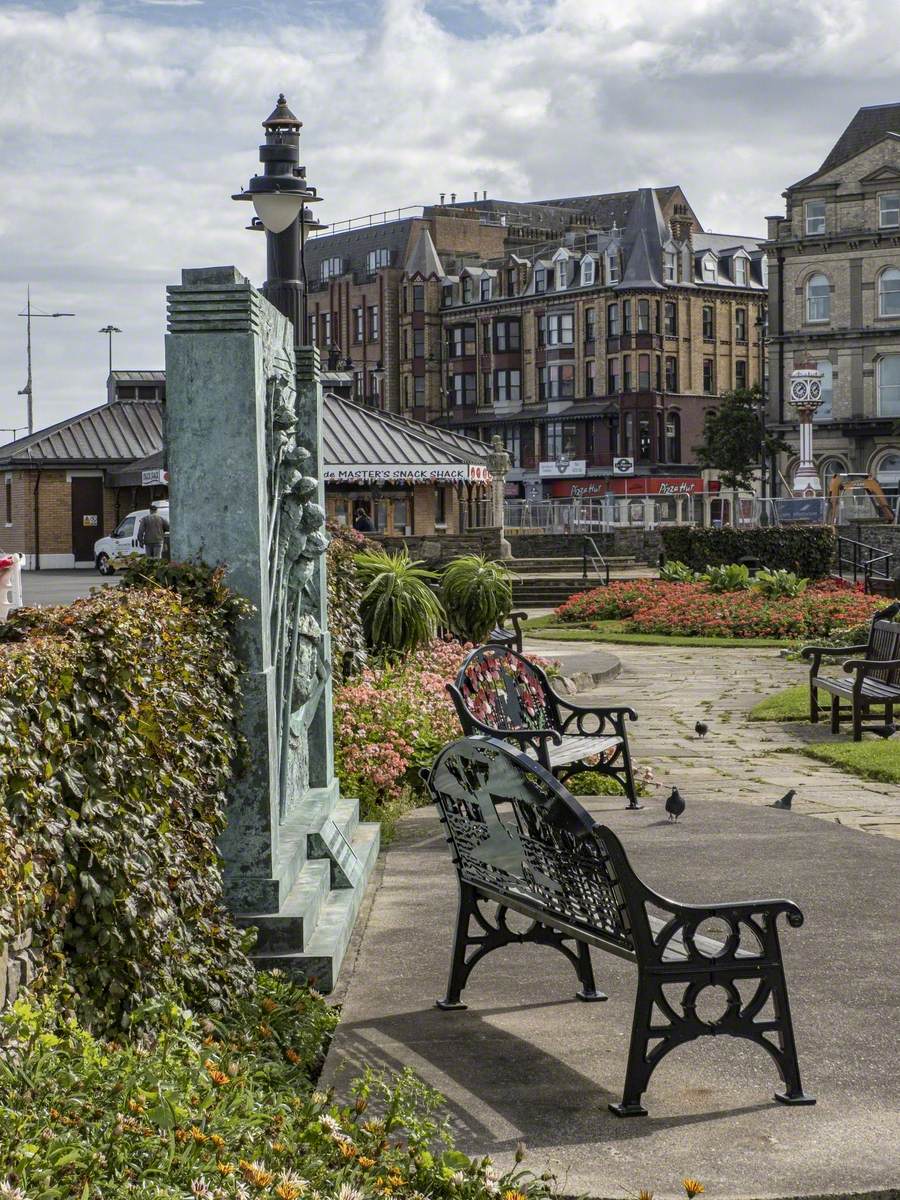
111 433
354 435
423 260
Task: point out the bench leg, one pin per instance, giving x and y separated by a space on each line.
835 714
813 704
788 1066
459 972
857 719
638 1071
588 990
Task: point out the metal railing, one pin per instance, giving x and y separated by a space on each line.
865 561
590 554
376 218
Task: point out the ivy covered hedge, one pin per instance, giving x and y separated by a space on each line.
807 550
117 738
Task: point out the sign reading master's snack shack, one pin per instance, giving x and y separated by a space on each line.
406 473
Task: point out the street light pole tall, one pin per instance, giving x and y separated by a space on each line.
28 389
280 196
110 330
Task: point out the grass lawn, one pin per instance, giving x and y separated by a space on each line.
615 631
790 705
879 760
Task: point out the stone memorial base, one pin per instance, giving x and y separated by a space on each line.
326 856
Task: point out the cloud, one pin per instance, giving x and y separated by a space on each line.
124 131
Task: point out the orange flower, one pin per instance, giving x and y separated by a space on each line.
347 1149
218 1077
217 1141
255 1173
513 1195
225 1169
268 1005
365 1162
692 1187
265 1030
198 1135
291 1055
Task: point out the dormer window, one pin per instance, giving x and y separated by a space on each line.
710 271
330 269
612 267
510 281
486 282
376 259
561 280
670 266
467 291
588 269
540 279
889 210
447 295
740 272
814 213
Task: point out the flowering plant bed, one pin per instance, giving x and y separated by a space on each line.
693 610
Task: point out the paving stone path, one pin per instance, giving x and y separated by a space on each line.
671 688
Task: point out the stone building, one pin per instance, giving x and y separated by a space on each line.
834 281
582 331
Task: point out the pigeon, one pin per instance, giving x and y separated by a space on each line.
675 804
785 801
701 729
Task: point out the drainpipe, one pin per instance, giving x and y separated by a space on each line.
37 521
773 473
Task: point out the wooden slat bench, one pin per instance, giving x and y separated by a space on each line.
521 843
503 694
876 676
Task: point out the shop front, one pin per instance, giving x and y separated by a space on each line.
406 499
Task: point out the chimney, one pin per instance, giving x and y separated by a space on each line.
484 195
443 194
453 197
474 195
682 226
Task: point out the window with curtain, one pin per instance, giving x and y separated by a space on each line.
612 320
889 385
818 298
643 316
708 323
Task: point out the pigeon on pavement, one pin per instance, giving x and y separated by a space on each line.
785 801
675 804
701 729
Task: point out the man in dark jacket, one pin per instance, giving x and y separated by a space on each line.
363 522
151 534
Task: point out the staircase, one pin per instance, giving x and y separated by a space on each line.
549 582
856 560
326 856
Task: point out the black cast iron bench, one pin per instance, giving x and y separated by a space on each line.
501 693
511 638
522 843
876 676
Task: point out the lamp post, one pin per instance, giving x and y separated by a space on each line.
762 326
109 330
28 389
806 397
280 196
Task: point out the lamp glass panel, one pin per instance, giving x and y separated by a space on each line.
277 210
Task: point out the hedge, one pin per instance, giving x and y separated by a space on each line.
808 550
117 738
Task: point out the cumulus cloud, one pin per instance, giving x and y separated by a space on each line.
125 127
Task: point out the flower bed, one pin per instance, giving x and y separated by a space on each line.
692 610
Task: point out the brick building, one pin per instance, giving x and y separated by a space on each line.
834 277
583 331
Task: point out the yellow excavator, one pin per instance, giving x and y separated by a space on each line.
858 486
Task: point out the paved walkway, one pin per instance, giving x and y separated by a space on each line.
672 688
526 1061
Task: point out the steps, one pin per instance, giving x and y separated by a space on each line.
549 582
330 855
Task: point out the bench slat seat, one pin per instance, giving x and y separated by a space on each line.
522 843
501 693
875 676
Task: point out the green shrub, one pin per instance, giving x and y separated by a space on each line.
345 590
117 735
476 593
221 1106
780 583
677 572
732 577
399 609
808 550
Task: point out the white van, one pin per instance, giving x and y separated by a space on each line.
124 538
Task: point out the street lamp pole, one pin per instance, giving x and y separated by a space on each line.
110 330
280 195
28 389
762 330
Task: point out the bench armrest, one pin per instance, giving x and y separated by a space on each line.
831 651
611 710
871 664
577 718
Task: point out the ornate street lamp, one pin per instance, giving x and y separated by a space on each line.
280 196
806 397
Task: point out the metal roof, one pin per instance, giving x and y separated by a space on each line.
353 435
118 432
138 376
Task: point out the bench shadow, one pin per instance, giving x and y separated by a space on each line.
500 1088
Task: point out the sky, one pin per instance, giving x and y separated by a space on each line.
126 125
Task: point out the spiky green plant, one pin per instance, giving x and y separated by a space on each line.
398 607
476 594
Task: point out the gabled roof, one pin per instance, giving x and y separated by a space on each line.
869 126
353 435
423 261
117 432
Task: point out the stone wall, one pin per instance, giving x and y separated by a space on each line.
644 544
18 966
885 537
442 547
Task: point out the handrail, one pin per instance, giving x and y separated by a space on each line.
597 559
879 565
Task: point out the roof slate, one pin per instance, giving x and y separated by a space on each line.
423 259
869 126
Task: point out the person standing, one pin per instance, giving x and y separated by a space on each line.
151 534
363 522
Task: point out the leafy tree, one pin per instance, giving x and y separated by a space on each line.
733 438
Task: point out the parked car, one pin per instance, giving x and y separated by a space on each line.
124 538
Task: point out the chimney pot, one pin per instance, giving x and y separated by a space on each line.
484 195
453 197
443 194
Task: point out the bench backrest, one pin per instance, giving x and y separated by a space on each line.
503 690
884 645
519 834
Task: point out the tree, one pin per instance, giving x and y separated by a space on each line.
734 438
